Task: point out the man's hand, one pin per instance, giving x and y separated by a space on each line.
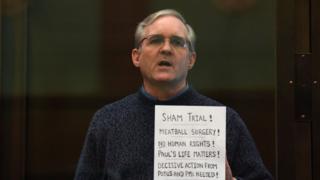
229 172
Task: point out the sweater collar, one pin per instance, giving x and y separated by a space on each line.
152 98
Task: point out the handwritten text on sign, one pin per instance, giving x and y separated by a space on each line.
190 142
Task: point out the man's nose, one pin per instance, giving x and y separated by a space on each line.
166 47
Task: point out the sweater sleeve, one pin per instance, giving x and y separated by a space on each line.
91 162
245 161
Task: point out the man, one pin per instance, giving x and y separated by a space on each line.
120 139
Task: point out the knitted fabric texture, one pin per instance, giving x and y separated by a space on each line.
120 140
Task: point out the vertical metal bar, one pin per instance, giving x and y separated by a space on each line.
302 26
285 89
0 47
315 48
302 151
303 93
2 125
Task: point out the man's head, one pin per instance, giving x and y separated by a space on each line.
140 30
164 50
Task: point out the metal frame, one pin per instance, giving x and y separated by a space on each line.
298 94
285 90
315 48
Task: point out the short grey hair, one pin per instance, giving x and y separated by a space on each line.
140 30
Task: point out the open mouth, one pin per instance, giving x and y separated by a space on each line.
164 63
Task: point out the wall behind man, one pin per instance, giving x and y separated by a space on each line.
236 64
78 55
64 46
235 42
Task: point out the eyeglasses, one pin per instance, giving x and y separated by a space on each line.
158 40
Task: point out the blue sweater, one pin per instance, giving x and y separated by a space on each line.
120 140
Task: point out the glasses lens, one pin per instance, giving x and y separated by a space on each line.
155 40
158 40
177 41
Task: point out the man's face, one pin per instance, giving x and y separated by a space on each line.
164 62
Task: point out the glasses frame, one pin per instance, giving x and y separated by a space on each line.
187 43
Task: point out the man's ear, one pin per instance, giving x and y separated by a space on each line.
135 57
192 60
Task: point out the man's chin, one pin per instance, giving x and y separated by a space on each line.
164 79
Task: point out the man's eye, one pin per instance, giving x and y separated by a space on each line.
177 41
155 40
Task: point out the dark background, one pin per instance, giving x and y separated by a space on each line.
62 60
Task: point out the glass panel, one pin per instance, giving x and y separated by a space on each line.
77 54
13 87
236 61
65 81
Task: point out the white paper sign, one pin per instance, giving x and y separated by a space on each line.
190 142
